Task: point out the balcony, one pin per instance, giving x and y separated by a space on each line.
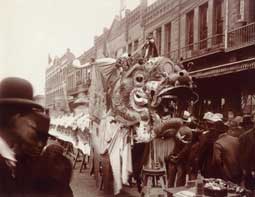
84 87
241 37
203 47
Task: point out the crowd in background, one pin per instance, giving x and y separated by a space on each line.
216 149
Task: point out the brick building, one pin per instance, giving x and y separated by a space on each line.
55 87
218 37
78 82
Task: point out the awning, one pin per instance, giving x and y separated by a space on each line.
224 69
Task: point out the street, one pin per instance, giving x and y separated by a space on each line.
84 185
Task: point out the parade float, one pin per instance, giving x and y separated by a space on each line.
135 109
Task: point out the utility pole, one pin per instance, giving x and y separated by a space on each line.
179 29
226 25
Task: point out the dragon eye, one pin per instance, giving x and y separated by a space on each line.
139 79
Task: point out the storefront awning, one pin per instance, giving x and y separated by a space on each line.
224 69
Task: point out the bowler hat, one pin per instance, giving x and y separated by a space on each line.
17 91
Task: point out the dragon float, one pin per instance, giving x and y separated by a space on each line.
134 101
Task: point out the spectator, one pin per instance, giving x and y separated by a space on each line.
247 150
230 117
235 128
23 133
177 160
54 176
192 162
206 143
247 122
226 156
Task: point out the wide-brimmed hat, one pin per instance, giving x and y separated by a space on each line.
17 91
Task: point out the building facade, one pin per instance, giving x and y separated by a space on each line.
78 82
40 99
55 87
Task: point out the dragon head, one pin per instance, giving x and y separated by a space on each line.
148 93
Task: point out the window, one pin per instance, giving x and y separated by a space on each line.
252 10
88 74
190 29
203 25
168 39
158 39
218 22
241 10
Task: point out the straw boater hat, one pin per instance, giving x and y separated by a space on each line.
17 91
211 117
186 116
216 119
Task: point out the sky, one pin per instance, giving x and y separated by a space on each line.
30 30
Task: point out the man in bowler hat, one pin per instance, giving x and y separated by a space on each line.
23 134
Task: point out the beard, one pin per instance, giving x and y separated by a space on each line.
25 150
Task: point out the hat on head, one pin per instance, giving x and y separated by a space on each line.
185 134
247 121
209 116
186 116
17 91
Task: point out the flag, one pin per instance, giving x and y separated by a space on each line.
123 5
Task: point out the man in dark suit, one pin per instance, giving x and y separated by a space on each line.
226 158
23 134
247 152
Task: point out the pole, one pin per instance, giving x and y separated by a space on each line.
226 26
179 29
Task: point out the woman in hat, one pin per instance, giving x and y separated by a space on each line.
23 133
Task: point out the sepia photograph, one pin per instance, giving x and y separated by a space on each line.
127 98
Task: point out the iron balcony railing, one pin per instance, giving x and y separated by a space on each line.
82 87
242 36
203 47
